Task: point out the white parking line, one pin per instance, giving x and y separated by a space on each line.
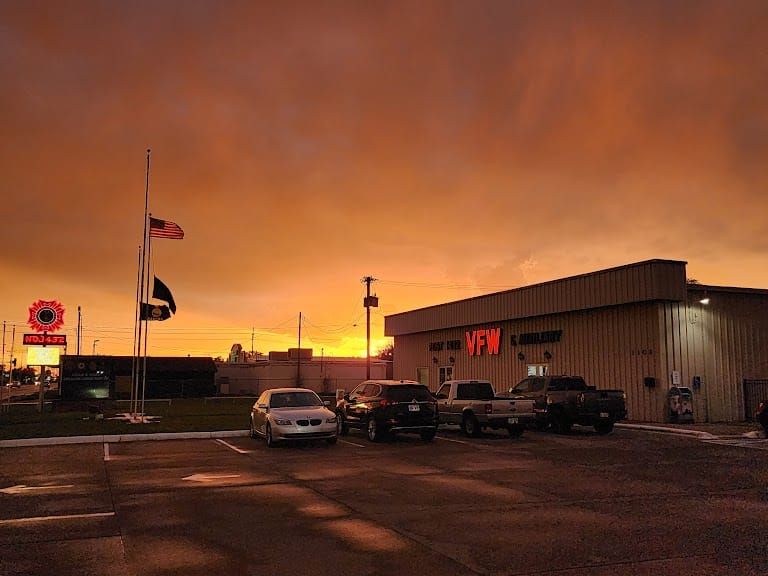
452 440
106 452
759 444
231 447
351 443
53 518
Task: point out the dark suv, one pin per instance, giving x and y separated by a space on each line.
384 407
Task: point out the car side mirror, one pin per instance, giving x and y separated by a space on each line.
326 402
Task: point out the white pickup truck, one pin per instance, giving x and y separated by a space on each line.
473 405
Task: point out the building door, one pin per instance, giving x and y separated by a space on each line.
422 376
446 373
755 391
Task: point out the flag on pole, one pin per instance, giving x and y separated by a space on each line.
154 312
165 229
161 292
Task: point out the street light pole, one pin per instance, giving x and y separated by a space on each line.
94 348
368 302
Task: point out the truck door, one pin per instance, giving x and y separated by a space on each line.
444 402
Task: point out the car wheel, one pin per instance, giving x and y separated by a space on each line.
374 431
470 425
253 429
604 427
270 440
342 429
515 431
428 435
332 440
561 424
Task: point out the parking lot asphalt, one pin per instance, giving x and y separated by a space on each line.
699 430
628 503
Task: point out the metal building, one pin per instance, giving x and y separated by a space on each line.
641 328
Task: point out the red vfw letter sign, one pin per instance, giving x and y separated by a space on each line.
489 338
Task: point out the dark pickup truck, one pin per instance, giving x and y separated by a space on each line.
562 401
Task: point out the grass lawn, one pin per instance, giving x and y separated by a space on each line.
176 415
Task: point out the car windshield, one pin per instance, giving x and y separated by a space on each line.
408 392
294 400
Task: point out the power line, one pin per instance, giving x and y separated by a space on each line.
449 286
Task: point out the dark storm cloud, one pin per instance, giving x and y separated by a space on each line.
453 140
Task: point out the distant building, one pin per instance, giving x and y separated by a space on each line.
297 367
641 328
109 377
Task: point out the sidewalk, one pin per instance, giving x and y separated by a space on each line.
701 430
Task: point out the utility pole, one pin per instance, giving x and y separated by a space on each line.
2 377
298 357
79 331
252 331
368 303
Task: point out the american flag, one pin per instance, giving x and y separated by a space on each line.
164 229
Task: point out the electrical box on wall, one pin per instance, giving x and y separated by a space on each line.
697 381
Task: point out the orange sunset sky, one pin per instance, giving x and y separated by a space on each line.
449 149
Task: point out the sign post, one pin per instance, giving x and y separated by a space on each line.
44 315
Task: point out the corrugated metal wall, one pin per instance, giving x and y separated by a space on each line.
619 327
614 347
724 343
653 280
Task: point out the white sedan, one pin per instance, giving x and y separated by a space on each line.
292 414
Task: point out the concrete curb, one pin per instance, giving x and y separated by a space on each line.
667 430
113 438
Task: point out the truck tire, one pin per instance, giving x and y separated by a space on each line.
428 435
515 431
561 423
470 426
604 427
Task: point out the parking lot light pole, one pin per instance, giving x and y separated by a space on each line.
94 348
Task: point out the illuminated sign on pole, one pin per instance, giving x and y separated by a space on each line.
45 339
42 356
46 316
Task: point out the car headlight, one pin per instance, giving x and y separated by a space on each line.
282 422
331 420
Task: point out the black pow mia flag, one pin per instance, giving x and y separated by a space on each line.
161 292
154 312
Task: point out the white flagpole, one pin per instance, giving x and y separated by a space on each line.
143 269
146 325
136 328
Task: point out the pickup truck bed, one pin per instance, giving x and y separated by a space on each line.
474 406
561 401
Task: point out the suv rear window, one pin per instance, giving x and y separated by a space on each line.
407 393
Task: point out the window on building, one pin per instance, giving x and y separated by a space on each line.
446 373
538 369
422 376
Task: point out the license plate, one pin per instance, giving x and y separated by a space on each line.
604 415
413 407
512 420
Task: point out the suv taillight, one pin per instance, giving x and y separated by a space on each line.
384 402
489 408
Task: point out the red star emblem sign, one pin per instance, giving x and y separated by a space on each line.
46 316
